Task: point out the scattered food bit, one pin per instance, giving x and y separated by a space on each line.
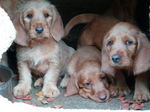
40 98
44 102
27 97
121 98
58 106
139 101
50 99
2 83
16 77
126 106
142 105
124 101
131 102
122 95
27 102
40 93
108 100
13 100
135 106
18 97
34 104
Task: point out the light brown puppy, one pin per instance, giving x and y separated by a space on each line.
93 34
94 31
40 48
84 76
126 47
124 41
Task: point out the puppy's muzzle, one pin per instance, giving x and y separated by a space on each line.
116 58
39 30
103 97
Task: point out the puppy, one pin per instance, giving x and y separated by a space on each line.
40 48
84 76
126 47
93 34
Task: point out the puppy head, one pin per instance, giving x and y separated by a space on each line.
123 48
37 20
89 82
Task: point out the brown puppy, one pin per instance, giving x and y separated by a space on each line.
84 76
126 47
94 31
93 34
40 50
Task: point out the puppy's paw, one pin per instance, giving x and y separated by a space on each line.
113 91
142 95
124 89
64 82
21 90
50 91
38 83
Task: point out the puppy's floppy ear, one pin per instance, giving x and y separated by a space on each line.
57 28
21 37
142 56
111 79
105 67
72 86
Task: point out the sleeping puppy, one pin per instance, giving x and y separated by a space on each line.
93 34
84 76
40 48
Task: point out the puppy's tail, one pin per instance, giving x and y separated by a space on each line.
82 18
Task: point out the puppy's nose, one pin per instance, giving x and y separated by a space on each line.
39 30
103 97
116 58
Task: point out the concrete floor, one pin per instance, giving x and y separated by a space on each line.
78 102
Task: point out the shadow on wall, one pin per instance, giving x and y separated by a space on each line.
71 8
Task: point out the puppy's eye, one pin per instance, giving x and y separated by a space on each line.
89 84
110 43
46 15
128 42
29 16
103 78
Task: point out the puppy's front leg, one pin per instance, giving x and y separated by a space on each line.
24 85
142 91
121 83
50 81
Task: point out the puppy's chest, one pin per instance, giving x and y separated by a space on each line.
38 59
